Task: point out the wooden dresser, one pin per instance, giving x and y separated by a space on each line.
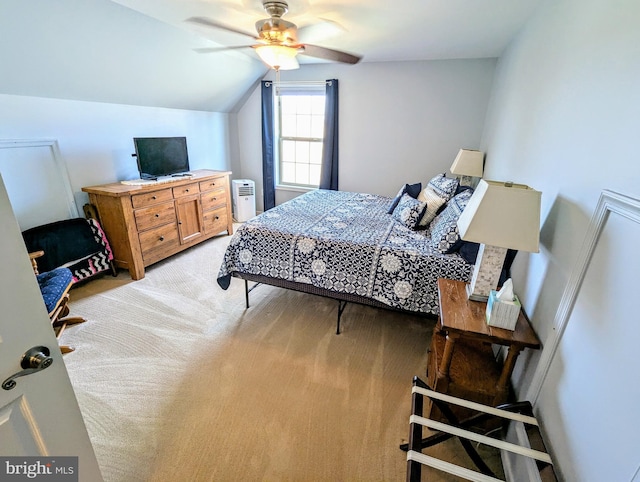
147 223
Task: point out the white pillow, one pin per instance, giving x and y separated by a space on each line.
438 191
433 201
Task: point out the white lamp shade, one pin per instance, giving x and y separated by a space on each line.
279 57
502 214
468 163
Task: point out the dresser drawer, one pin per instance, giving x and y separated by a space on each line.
146 199
186 190
215 220
155 215
216 183
214 199
158 242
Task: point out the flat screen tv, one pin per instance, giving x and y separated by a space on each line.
161 156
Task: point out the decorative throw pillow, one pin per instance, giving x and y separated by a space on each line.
434 204
444 228
438 191
467 249
461 188
409 211
412 190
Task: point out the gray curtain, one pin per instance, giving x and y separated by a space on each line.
329 173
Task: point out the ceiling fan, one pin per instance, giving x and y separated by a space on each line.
276 42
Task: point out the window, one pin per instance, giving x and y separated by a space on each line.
299 112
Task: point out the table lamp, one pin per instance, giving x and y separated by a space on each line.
468 166
499 216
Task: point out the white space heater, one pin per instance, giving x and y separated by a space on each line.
244 199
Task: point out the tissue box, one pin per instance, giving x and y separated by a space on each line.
502 314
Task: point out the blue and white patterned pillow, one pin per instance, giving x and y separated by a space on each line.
412 190
409 211
444 228
438 191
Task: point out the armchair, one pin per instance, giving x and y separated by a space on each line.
64 253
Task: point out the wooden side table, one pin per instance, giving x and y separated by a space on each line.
461 361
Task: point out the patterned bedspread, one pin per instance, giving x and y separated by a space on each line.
343 242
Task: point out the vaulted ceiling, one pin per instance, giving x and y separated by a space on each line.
141 52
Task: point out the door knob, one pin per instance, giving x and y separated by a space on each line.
33 360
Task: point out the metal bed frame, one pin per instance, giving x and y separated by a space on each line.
342 298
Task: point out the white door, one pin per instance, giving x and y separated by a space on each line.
39 416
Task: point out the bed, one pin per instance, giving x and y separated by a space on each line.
352 247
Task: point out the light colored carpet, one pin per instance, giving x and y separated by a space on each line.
178 382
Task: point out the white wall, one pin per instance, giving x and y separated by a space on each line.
99 50
564 118
399 121
96 139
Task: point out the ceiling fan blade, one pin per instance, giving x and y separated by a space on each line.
209 50
212 23
329 54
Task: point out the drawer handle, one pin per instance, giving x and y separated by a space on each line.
157 215
161 238
186 190
217 217
154 197
215 198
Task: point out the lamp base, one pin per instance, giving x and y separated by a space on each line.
486 272
471 181
475 297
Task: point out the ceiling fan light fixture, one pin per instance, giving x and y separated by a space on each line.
277 39
278 57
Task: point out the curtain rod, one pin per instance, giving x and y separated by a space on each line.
299 82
